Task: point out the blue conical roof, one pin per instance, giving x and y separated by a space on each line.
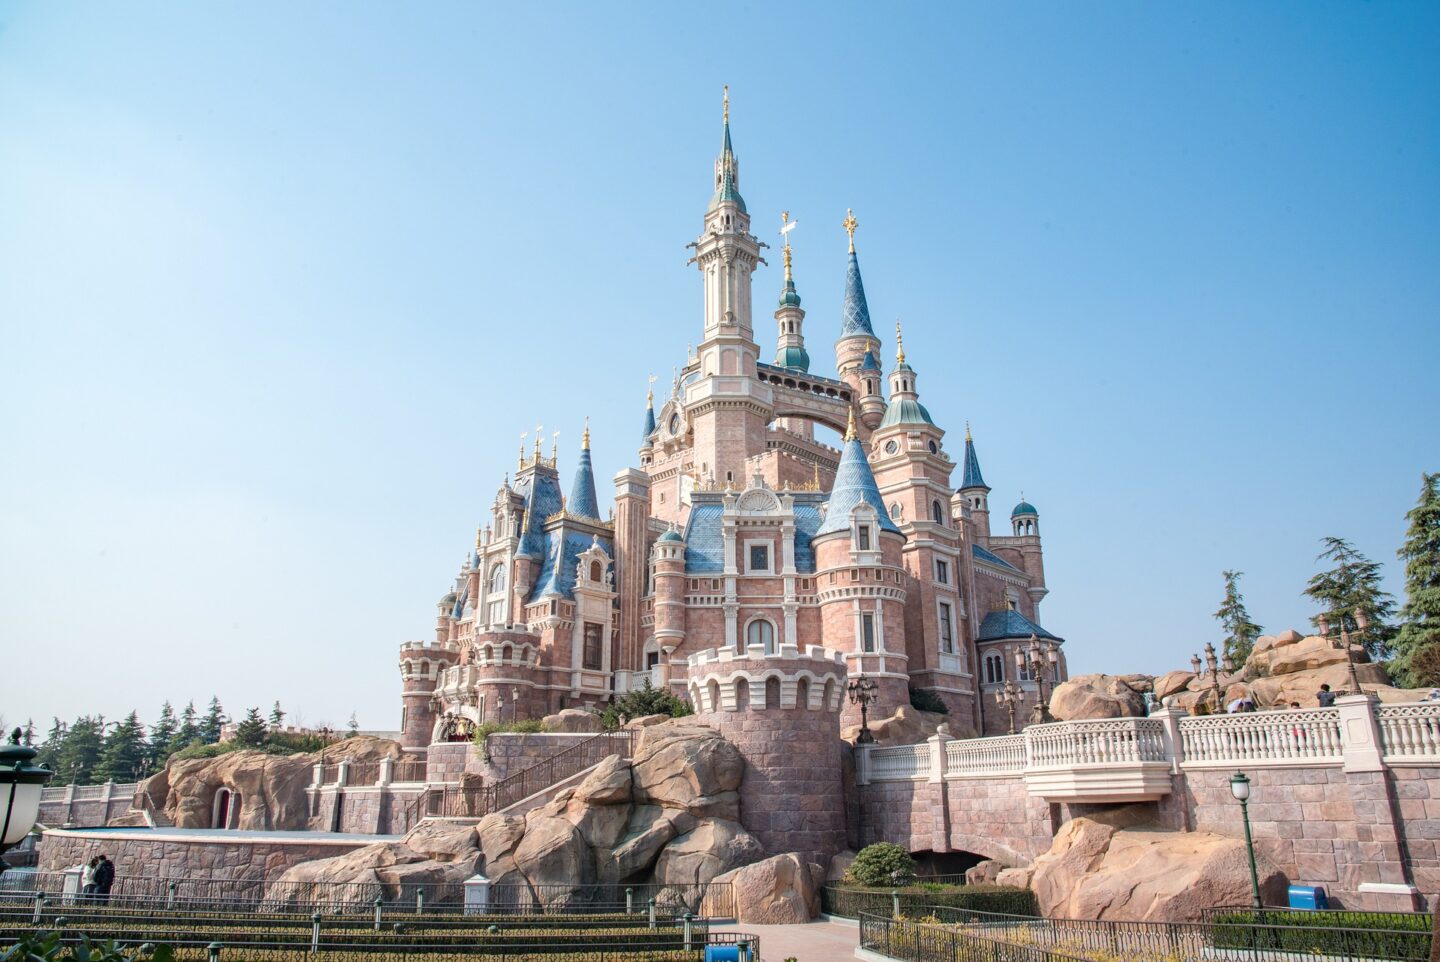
728 189
972 477
870 364
582 490
854 483
649 420
856 318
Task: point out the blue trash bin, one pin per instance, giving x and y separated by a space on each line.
722 953
1309 898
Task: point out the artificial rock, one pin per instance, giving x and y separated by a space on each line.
780 890
1095 696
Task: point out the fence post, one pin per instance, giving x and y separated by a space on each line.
379 903
387 772
419 901
894 903
1170 735
40 908
477 895
315 932
317 776
213 950
342 774
629 901
862 764
652 913
172 888
689 928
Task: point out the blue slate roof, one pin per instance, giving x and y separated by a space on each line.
870 364
541 489
807 525
1011 624
904 411
854 483
705 539
984 554
972 477
582 489
729 190
856 316
557 573
649 421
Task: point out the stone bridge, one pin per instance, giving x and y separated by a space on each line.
1345 797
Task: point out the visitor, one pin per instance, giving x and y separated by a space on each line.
87 879
1325 697
104 877
1294 704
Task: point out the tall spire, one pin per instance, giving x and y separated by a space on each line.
899 343
850 427
854 485
727 168
972 477
856 313
582 490
790 352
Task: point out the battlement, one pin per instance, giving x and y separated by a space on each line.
735 681
719 656
430 647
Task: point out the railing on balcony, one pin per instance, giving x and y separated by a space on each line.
1410 732
1004 755
408 770
1298 737
1098 741
900 762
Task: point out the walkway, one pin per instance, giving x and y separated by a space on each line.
820 941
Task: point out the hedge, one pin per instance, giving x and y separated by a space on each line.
849 901
1376 935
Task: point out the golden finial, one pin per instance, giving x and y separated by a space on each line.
585 441
554 445
523 435
899 344
477 536
850 428
727 104
539 430
967 432
850 223
650 392
816 480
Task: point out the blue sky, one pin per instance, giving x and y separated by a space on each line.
281 284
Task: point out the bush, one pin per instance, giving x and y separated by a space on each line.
925 699
883 863
919 900
486 729
645 700
1376 935
275 743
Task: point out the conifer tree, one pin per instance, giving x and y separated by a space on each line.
162 737
277 717
353 725
252 730
1348 588
79 751
49 754
124 752
1417 643
189 730
213 722
1240 631
27 734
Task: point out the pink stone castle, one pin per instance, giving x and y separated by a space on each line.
741 533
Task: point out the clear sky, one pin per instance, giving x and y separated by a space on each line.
281 284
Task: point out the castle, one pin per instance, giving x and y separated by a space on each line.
742 539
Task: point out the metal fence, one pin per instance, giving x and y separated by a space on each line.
923 942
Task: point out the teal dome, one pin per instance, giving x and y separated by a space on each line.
1024 508
793 358
905 411
672 535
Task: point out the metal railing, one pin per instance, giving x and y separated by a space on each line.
924 942
408 770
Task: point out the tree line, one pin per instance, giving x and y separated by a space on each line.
1349 595
91 750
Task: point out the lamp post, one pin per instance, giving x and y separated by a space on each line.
1213 667
20 786
1010 697
862 693
514 704
1240 788
1032 660
1362 622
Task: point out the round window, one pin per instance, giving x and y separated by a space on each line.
934 448
674 424
892 446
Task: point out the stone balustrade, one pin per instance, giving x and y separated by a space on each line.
1302 737
1004 755
900 763
1410 732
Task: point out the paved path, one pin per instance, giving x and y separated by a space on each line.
820 941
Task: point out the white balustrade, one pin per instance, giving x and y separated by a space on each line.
1099 741
900 763
1410 732
1277 737
1004 755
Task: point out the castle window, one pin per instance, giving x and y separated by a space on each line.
937 513
759 558
772 692
862 537
595 571
867 632
592 648
947 632
942 571
761 634
895 511
802 693
994 668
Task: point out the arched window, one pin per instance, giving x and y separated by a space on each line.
937 513
802 693
829 696
595 571
742 694
772 692
895 511
714 692
497 578
760 633
994 668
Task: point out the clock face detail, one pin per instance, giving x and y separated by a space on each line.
891 446
674 424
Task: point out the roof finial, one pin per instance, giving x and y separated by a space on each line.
786 226
539 430
477 537
727 103
585 440
899 344
523 436
967 432
850 223
554 444
650 392
850 428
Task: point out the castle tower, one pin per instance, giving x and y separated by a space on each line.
647 436
913 477
858 347
860 581
790 350
782 711
632 559
728 408
975 492
1025 522
420 668
669 559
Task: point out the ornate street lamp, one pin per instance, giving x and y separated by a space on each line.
1240 788
20 786
1362 622
1032 660
862 693
1010 698
1213 668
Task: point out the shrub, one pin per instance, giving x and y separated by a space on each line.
925 699
1376 935
883 863
486 729
921 899
645 700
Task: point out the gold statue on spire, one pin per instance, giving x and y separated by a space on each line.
727 104
650 392
477 537
850 428
850 223
899 344
786 226
585 440
967 432
539 430
522 449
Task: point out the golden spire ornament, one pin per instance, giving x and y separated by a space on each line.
850 428
585 440
523 435
899 344
786 226
967 432
539 430
727 103
850 223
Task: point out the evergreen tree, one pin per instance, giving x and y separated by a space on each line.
252 730
162 737
1240 631
189 730
1420 630
124 752
1350 587
353 725
277 717
79 751
49 754
214 721
27 734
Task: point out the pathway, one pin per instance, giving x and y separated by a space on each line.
819 941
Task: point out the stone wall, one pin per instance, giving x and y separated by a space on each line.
223 856
85 806
510 752
992 817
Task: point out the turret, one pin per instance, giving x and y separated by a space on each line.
1025 522
1025 519
583 502
790 351
668 557
420 667
975 492
647 435
857 338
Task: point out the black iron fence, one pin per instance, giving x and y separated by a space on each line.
921 942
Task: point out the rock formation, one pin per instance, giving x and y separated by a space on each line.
573 721
781 890
437 855
1095 696
909 726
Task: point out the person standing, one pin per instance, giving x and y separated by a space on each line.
104 878
87 879
1325 697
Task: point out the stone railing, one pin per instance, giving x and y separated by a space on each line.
900 763
1101 741
1004 755
1302 737
1410 732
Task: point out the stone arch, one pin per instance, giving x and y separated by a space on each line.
802 693
713 696
829 702
742 694
772 692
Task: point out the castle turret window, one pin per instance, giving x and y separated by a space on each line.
867 632
947 633
761 634
593 644
994 668
862 537
942 571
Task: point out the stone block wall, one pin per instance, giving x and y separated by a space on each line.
215 856
60 806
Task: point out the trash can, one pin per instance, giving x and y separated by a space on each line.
1308 898
722 953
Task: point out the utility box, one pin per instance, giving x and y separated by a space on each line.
477 895
722 953
1308 898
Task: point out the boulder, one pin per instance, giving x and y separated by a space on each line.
1304 655
688 767
554 853
713 847
1017 877
1172 683
985 872
1095 696
390 865
839 865
649 829
909 726
572 721
780 890
443 841
608 784
1098 871
602 826
1278 691
645 721
498 835
1139 683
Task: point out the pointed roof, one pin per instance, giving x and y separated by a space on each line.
972 478
854 484
870 364
1009 623
582 490
729 189
905 411
649 415
855 318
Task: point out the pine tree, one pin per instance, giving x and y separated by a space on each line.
353 725
277 717
79 751
162 737
1420 629
124 752
1240 631
189 731
49 754
1352 586
27 734
252 730
214 721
